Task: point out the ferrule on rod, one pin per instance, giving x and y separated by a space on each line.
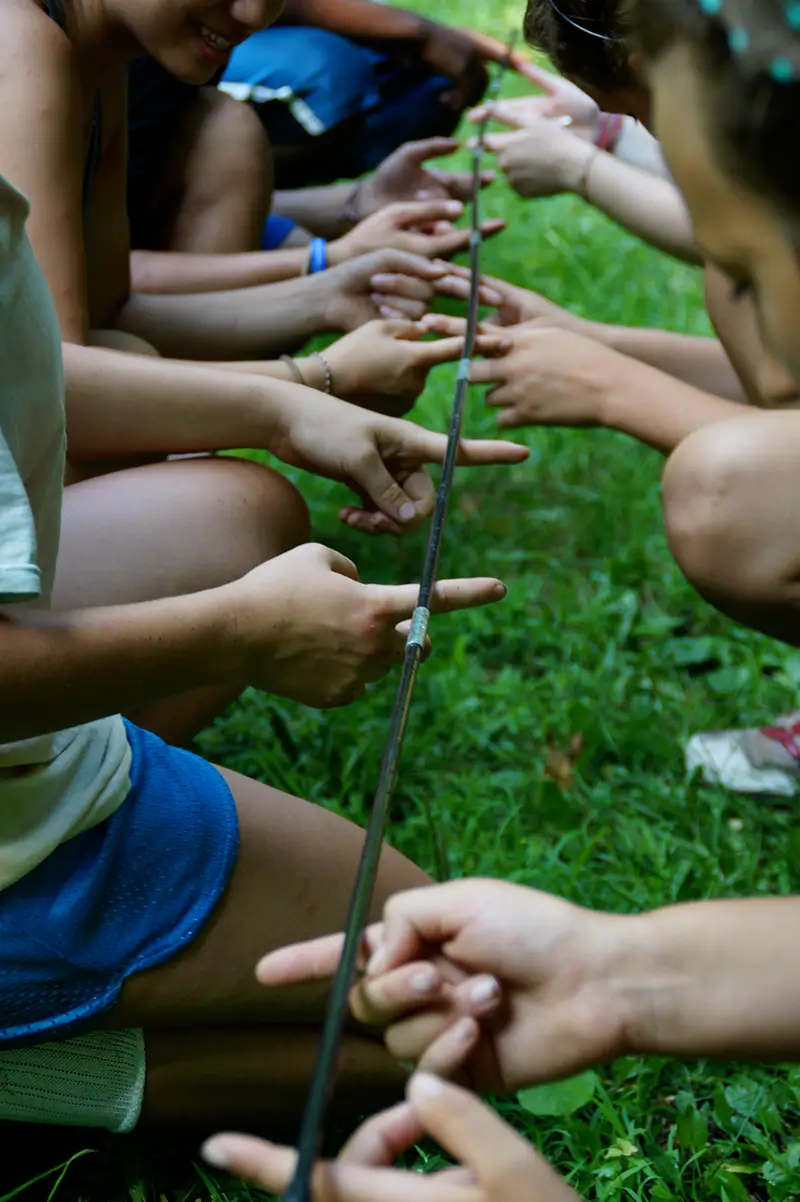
419 627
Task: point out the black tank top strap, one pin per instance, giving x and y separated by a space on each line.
55 10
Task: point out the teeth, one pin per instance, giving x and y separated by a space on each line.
214 39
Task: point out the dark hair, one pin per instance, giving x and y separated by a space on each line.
601 62
748 55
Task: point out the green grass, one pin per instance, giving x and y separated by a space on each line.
599 636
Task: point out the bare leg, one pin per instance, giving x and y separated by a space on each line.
224 1050
730 494
292 881
172 528
223 172
257 1079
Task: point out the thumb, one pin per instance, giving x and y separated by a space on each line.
500 1159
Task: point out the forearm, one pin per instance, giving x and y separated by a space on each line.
251 323
167 272
701 362
356 18
651 208
657 409
124 405
61 669
717 979
319 210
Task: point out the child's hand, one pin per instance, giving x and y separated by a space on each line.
405 176
382 459
503 983
384 366
546 377
496 1164
513 304
418 227
561 99
303 626
543 159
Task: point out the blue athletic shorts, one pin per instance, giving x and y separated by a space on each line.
127 895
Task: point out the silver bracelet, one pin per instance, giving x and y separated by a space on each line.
326 368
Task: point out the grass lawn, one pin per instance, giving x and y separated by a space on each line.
600 638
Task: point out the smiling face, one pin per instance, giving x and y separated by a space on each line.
740 231
193 39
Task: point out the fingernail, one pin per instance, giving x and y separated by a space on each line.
424 981
500 589
215 1153
376 963
407 512
486 989
492 296
454 207
428 1085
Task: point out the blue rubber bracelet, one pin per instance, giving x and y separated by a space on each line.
319 256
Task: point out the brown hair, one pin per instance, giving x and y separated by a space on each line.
595 55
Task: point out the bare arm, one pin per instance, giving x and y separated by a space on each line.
701 362
124 405
248 323
168 272
61 669
656 408
649 207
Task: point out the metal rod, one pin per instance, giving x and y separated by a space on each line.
322 1082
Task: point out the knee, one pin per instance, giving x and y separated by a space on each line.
272 515
713 493
241 156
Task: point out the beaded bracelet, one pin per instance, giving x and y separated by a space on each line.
326 368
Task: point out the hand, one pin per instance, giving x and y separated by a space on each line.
561 99
507 984
497 1164
544 159
386 283
514 305
403 176
383 366
418 227
547 377
455 53
381 458
306 629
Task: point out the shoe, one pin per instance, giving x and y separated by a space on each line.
763 762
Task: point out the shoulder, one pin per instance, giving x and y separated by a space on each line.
36 56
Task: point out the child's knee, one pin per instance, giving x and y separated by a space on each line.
277 517
714 512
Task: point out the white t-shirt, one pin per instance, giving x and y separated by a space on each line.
57 785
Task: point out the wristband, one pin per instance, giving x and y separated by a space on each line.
318 256
609 128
